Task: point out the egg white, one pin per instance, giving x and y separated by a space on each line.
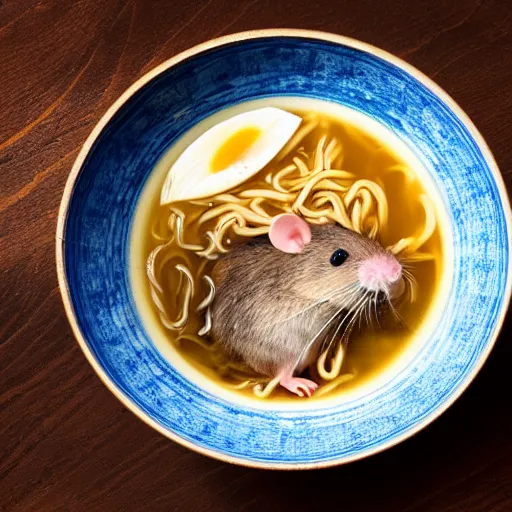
191 176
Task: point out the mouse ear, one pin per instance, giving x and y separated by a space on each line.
289 233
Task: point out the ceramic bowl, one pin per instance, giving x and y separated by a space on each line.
97 212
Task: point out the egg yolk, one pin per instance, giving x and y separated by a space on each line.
234 148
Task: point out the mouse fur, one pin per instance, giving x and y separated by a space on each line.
261 293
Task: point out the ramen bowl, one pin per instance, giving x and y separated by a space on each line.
99 207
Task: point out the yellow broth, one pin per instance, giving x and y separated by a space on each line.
371 349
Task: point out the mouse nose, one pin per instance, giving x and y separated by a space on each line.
379 272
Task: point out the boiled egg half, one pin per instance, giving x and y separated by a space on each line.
228 154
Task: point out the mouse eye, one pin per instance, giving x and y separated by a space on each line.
338 257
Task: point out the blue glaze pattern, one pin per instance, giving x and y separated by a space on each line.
103 202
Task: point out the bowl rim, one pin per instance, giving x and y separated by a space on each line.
236 38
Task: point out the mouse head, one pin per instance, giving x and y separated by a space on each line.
329 258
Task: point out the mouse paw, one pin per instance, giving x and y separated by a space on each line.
299 386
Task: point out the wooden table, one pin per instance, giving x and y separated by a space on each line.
65 442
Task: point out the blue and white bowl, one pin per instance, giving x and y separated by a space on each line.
97 213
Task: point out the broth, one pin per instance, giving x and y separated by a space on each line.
371 351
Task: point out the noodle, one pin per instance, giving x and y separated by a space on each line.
255 206
247 214
276 180
264 392
198 340
310 183
319 158
207 323
211 294
413 243
299 136
327 388
336 363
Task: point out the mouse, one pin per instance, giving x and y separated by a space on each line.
279 297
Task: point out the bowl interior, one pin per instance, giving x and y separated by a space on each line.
101 209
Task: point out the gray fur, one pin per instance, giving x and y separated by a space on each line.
259 288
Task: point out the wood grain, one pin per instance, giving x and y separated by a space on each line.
65 442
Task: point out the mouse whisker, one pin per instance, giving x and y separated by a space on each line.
410 277
350 290
366 299
410 280
307 308
324 327
327 346
368 314
319 302
350 323
372 307
407 272
316 336
376 310
354 312
398 317
349 326
351 294
394 304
